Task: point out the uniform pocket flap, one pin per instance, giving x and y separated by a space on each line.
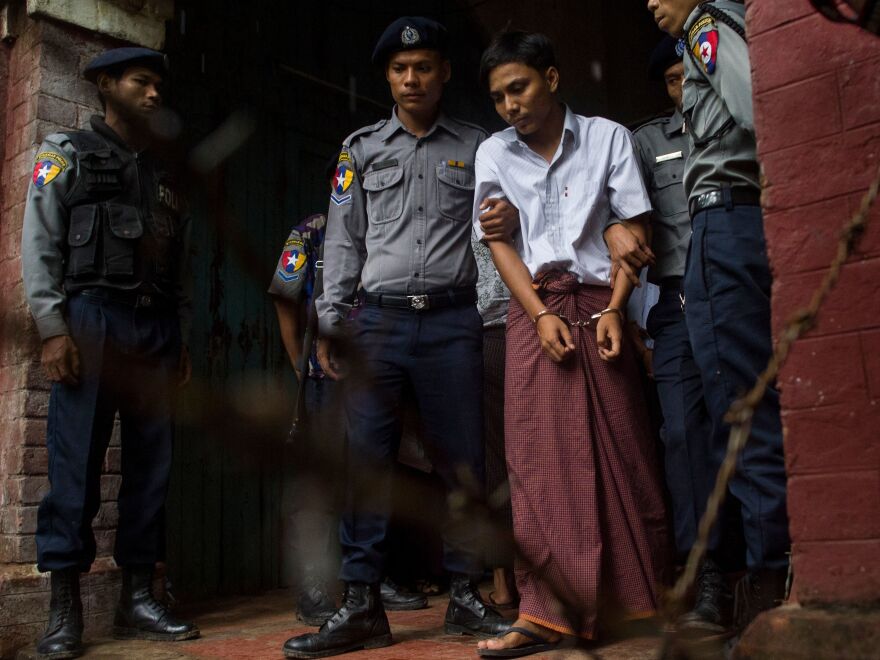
82 224
125 221
381 179
666 176
456 177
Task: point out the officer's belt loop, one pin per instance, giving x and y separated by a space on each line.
727 196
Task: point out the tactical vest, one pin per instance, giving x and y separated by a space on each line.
125 220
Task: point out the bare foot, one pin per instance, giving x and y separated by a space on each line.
514 639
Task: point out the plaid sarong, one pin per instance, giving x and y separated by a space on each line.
588 511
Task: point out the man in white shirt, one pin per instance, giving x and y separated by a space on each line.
588 511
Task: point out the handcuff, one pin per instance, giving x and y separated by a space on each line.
589 323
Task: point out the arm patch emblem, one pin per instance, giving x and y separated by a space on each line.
48 166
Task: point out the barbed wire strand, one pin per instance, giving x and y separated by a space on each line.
742 410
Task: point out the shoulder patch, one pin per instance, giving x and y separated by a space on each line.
293 259
342 179
48 165
703 40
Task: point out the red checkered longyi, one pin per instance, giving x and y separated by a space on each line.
588 512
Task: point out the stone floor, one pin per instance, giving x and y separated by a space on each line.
256 628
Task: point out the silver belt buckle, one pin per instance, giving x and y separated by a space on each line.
418 302
144 301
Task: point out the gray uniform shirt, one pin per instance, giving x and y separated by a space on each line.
44 242
717 104
400 214
663 149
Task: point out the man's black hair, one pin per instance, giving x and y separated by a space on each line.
530 48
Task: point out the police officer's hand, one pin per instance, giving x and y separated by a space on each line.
184 367
628 252
499 219
555 337
328 355
609 336
60 360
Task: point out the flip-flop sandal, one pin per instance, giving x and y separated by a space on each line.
508 605
537 645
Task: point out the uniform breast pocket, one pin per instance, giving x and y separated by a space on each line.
667 190
124 228
101 170
385 194
455 192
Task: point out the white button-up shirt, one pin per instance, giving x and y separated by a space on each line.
565 205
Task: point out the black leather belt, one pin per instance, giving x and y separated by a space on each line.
136 299
728 197
421 302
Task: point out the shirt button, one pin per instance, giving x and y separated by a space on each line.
418 241
420 209
421 177
415 274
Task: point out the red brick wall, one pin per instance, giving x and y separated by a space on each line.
817 113
40 92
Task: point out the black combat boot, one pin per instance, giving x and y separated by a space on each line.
140 616
467 614
756 592
63 636
314 605
712 604
359 624
394 598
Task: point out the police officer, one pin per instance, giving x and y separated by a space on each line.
399 222
663 149
104 250
727 279
312 513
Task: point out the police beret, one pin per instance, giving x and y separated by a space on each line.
664 56
409 33
144 56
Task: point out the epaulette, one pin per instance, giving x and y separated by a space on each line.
660 118
363 131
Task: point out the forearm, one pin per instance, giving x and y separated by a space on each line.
516 276
623 286
289 326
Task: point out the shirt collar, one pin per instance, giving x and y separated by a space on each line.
394 125
675 124
569 127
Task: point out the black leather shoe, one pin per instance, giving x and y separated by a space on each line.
63 636
314 605
467 614
712 604
359 624
140 616
395 599
756 592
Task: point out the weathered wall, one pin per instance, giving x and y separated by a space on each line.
817 111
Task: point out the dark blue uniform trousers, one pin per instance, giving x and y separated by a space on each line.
686 423
128 362
439 354
727 291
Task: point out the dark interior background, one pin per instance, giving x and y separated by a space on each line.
289 69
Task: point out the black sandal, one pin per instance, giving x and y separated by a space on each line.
537 645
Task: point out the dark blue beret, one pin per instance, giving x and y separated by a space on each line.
135 55
409 33
664 56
